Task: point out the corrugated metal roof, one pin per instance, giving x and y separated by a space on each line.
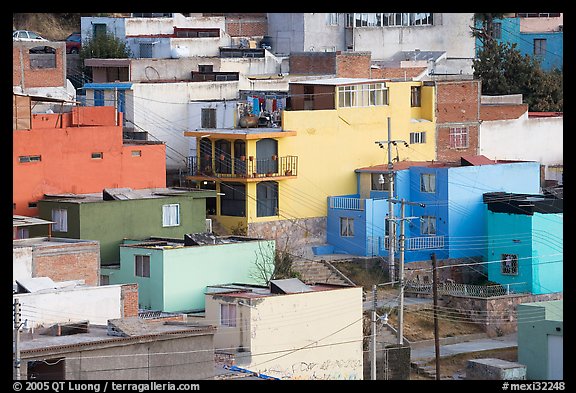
19 221
477 160
36 284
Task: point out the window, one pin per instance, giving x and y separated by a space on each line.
374 94
29 158
146 50
509 264
171 215
415 96
332 19
97 155
380 182
418 137
208 118
228 315
233 202
346 227
98 29
98 97
23 233
136 153
267 199
428 182
142 265
497 30
428 225
539 47
458 137
32 205
60 218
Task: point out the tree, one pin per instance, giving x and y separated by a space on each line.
104 46
504 70
486 32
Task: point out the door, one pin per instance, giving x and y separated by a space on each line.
555 357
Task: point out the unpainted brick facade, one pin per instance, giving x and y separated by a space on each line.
129 300
502 111
68 261
49 74
457 106
246 26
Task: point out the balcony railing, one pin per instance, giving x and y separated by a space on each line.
221 167
410 243
346 203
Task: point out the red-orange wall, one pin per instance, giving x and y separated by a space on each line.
66 165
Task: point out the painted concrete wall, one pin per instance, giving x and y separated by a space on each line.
116 26
111 221
66 165
450 33
536 323
21 263
331 144
94 304
319 36
163 110
465 188
534 139
165 357
548 255
510 234
286 31
179 276
327 323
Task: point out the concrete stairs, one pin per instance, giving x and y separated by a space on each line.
319 272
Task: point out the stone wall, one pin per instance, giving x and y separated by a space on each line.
497 315
294 236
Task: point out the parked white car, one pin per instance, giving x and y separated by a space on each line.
26 35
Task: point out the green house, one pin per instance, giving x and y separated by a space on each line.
173 274
123 213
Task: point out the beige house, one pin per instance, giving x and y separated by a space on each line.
289 330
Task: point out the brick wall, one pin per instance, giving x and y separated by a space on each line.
353 64
246 27
80 261
37 77
129 299
393 73
312 63
457 105
502 112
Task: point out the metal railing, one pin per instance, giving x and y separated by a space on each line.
346 203
469 290
244 167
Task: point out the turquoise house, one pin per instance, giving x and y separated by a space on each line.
172 274
541 339
525 241
447 214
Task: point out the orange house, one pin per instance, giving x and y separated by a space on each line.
80 151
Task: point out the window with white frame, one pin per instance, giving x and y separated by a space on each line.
171 215
142 265
346 227
228 314
428 225
418 137
372 94
428 182
509 264
458 137
60 218
332 18
389 19
415 96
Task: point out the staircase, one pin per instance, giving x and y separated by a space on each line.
320 272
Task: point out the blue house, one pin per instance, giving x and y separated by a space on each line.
541 40
451 222
525 241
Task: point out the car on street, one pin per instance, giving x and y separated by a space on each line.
26 35
73 43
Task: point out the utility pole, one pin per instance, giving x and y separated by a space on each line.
391 223
374 318
17 315
401 241
435 295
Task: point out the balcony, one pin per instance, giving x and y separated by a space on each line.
246 168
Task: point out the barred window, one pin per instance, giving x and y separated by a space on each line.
458 137
418 137
509 264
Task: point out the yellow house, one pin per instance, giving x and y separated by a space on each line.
289 330
274 182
